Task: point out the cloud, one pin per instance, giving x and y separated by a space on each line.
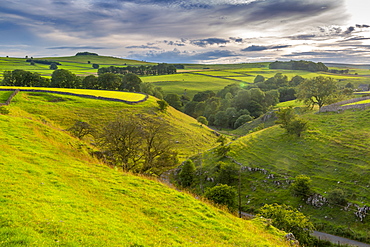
263 48
349 30
209 41
76 48
142 47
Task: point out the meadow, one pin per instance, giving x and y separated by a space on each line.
334 153
53 193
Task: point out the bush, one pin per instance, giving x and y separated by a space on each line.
222 194
202 120
337 197
187 174
302 186
162 105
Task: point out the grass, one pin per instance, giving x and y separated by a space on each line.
53 193
127 96
4 96
334 153
63 111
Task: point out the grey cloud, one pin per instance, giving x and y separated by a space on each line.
209 41
263 48
142 47
349 30
362 26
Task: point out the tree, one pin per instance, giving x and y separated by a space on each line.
90 82
95 65
202 120
53 66
290 220
259 78
318 91
289 121
174 100
162 105
187 174
337 197
242 120
81 129
302 186
131 83
222 194
139 145
62 78
109 81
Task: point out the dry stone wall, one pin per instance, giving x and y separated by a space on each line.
341 106
10 97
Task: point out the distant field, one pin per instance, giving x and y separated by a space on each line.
133 97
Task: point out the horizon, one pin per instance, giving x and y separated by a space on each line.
193 32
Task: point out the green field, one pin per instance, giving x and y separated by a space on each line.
53 193
334 153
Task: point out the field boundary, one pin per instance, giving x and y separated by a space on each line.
341 106
75 94
9 100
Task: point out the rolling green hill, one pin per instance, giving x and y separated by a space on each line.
334 153
53 193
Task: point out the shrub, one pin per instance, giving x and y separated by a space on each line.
202 120
338 197
302 186
187 174
222 194
163 105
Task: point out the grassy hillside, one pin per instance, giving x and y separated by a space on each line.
53 193
334 153
63 111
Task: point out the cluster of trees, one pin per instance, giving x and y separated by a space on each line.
47 62
289 121
160 69
86 54
235 105
339 71
299 65
62 78
24 78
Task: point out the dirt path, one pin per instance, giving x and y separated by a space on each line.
338 240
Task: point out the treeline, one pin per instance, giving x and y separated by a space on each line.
47 62
85 53
160 69
235 105
62 78
339 71
299 65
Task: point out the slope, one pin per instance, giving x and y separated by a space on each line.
334 153
62 111
52 193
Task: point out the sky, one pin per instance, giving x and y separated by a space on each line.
189 31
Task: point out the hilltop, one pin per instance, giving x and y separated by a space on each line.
54 193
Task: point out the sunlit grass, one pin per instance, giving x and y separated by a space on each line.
132 97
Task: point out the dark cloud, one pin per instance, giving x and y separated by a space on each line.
209 41
264 48
357 38
349 30
362 26
303 37
183 57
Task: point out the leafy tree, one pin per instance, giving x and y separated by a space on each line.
53 66
131 82
202 120
222 194
174 100
242 120
90 82
62 78
109 81
227 173
259 78
95 65
289 121
302 186
289 219
318 91
187 174
162 105
24 78
221 119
